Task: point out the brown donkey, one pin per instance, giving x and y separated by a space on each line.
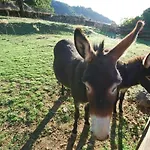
135 71
92 77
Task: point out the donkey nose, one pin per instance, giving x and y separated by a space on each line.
103 139
100 138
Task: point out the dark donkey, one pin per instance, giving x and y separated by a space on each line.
92 77
135 71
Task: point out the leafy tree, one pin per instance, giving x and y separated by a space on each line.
130 22
146 17
44 5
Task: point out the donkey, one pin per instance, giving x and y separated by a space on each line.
92 77
135 71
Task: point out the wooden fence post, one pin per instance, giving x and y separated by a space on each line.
144 143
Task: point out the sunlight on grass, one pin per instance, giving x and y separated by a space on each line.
29 88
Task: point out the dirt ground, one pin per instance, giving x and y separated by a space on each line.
50 135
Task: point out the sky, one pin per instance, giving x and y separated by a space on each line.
115 10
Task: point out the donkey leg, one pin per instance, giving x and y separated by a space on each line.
76 117
122 94
87 114
117 98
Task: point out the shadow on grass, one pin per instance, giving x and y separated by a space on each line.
120 126
34 136
82 141
113 132
71 141
91 143
83 137
34 28
119 144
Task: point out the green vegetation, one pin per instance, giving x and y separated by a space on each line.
29 90
44 5
130 22
40 5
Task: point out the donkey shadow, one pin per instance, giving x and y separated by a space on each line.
113 132
82 140
113 143
91 141
35 135
120 146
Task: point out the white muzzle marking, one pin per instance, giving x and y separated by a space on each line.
100 127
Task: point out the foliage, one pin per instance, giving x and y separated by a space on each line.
40 4
146 17
130 22
65 9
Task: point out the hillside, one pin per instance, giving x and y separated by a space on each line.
65 9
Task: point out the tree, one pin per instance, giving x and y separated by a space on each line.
130 22
146 17
44 5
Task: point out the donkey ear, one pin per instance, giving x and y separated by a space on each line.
82 45
146 61
119 49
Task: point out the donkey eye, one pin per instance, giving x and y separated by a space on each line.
148 78
87 86
113 88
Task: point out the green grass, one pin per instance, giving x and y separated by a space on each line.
28 87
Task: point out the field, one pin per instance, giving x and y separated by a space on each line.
32 114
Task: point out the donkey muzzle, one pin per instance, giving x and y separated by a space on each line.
100 127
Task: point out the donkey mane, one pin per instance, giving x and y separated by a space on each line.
99 47
136 59
127 67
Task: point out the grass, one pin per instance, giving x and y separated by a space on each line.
29 90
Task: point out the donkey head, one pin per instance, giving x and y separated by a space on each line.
145 77
101 78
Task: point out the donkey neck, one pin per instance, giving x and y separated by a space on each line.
77 87
131 72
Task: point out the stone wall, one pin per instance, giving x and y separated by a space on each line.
11 9
83 21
